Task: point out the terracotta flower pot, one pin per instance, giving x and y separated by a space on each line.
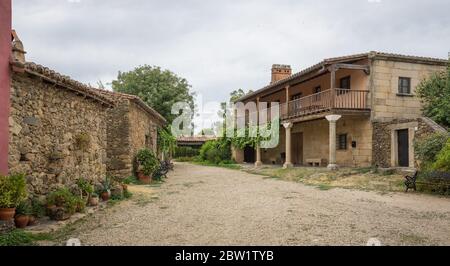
21 221
93 201
144 178
105 196
7 214
125 187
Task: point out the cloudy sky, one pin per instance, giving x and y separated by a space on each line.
218 45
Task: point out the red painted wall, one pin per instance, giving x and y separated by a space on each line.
5 52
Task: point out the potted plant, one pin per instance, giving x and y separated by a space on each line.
85 188
148 163
12 192
105 192
61 204
23 212
93 199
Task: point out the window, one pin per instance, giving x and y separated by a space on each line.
342 142
404 85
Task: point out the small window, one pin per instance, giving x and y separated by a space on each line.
404 85
342 142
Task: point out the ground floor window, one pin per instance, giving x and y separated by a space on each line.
342 142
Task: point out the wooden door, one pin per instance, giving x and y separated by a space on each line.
403 147
297 148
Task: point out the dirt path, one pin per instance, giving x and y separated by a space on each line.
213 206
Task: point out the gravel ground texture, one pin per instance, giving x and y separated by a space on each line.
200 205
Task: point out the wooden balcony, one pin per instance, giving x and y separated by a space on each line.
329 100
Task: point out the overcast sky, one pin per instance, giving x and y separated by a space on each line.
219 46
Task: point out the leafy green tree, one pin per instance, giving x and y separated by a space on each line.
160 89
237 94
435 95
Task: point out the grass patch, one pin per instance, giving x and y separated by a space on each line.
368 178
21 238
222 165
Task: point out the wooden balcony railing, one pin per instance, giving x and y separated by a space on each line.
324 101
320 102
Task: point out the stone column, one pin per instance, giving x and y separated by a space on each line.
5 54
332 160
258 162
288 163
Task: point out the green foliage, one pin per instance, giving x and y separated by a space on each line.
38 208
12 190
24 208
63 198
187 159
428 148
160 89
106 185
186 152
148 161
166 141
443 159
21 238
252 137
215 151
85 186
435 94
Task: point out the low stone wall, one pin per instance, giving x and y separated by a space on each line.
56 136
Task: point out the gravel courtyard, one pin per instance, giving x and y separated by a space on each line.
200 205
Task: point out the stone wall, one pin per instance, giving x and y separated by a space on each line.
387 103
118 135
130 128
383 155
56 136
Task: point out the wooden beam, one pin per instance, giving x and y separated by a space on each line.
365 68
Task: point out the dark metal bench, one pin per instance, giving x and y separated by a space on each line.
410 181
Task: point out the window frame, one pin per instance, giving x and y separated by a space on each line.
401 86
345 143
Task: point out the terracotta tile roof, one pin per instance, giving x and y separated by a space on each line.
341 59
64 81
118 96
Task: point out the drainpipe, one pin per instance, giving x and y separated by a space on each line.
5 53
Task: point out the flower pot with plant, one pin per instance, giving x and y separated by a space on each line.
105 192
93 199
23 212
148 164
12 192
61 204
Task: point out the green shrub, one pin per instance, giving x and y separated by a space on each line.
13 190
85 186
443 159
63 198
428 148
186 159
185 152
24 208
38 208
148 161
215 151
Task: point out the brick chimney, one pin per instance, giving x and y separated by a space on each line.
280 72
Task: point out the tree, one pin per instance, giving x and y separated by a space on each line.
159 89
435 95
237 94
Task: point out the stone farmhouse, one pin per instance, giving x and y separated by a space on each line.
359 110
62 130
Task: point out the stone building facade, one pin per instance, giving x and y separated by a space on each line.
57 129
358 110
132 125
